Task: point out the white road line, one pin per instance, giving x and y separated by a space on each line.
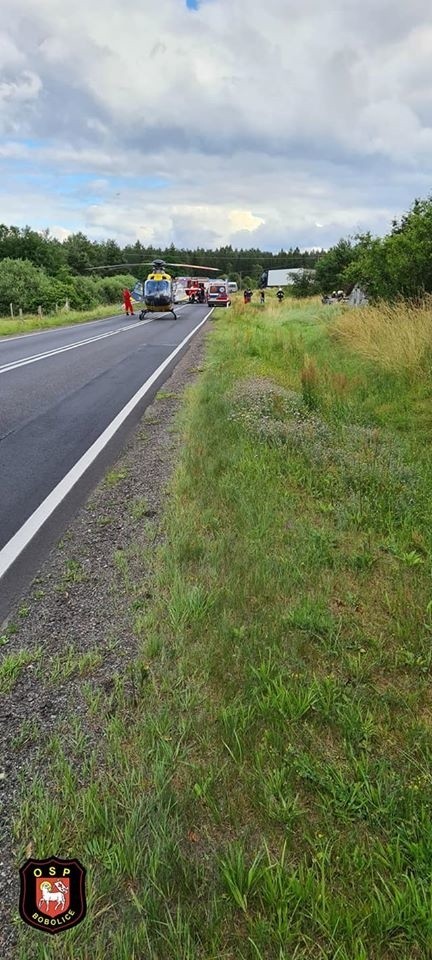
66 326
73 326
21 539
16 364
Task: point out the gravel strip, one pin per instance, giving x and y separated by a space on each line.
80 602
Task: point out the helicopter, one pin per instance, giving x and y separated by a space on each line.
157 292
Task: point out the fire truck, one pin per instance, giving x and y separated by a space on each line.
196 289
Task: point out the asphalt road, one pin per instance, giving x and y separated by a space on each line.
60 391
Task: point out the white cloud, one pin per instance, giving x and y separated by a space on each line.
60 233
25 87
244 220
279 123
10 55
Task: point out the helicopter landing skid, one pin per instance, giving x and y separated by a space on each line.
143 313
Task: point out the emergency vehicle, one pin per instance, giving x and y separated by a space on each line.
194 285
218 294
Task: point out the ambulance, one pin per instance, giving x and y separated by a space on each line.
218 294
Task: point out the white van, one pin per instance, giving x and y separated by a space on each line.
232 287
217 294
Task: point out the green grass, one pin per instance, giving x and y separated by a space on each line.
30 324
74 573
115 476
13 666
265 788
71 663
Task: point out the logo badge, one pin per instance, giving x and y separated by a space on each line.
52 894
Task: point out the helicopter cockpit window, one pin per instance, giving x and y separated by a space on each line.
156 286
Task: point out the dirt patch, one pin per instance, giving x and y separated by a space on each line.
76 623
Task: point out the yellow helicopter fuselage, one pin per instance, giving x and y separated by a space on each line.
158 292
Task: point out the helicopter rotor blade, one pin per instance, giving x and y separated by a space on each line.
149 263
193 266
135 263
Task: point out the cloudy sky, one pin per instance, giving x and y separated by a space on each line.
254 123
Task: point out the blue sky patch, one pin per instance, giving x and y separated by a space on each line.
192 4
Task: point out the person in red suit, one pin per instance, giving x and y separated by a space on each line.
128 305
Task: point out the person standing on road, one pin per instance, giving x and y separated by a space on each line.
127 302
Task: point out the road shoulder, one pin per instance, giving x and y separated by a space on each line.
73 633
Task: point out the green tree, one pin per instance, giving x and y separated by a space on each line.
400 264
304 285
38 247
23 285
330 268
81 253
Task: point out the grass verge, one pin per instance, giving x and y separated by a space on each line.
30 324
264 786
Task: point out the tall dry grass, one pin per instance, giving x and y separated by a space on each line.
398 337
272 307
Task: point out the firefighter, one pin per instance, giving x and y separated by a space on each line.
280 294
127 302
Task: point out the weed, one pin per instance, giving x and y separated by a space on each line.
241 880
104 521
13 666
71 663
74 573
139 509
189 603
115 476
28 732
309 383
166 395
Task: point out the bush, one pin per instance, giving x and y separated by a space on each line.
28 287
304 285
396 266
22 284
110 289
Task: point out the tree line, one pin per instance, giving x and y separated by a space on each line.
36 269
78 254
